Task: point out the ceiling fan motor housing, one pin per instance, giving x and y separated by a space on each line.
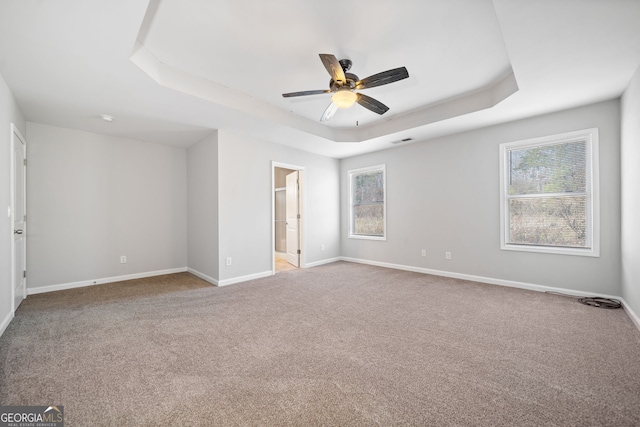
350 84
345 64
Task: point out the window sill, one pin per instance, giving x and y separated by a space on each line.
590 252
363 237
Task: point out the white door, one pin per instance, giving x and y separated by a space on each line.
19 247
293 219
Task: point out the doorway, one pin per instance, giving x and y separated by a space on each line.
287 230
18 218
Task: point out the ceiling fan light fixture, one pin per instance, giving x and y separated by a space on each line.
343 85
344 98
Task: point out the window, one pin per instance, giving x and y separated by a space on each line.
367 211
549 194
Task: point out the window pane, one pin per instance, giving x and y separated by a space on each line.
368 187
548 221
559 168
368 220
367 203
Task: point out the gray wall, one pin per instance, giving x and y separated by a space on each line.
93 198
245 193
202 208
443 195
631 194
9 113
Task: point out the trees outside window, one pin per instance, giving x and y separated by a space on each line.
367 203
549 194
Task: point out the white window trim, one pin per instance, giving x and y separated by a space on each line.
384 204
593 176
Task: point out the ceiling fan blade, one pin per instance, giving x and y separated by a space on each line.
305 93
383 78
333 66
371 104
329 112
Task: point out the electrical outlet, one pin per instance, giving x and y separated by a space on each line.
123 259
322 247
424 252
447 255
229 261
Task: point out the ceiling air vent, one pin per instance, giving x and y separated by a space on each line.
400 141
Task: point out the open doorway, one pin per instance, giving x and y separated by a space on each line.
287 217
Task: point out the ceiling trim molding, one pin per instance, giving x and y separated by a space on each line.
480 99
174 78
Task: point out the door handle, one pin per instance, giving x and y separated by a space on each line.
17 231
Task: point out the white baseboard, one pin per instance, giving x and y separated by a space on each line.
203 276
5 322
63 286
240 279
322 262
492 281
634 317
472 278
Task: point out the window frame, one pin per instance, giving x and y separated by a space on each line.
350 175
590 136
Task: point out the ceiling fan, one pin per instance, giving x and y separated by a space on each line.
343 85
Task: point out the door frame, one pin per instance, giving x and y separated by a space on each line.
15 133
292 216
303 220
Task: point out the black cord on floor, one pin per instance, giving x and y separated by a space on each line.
600 302
593 301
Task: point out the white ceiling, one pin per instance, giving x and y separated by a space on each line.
170 71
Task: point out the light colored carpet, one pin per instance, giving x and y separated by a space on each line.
337 345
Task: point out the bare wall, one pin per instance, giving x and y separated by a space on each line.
202 211
443 195
630 176
93 198
245 194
